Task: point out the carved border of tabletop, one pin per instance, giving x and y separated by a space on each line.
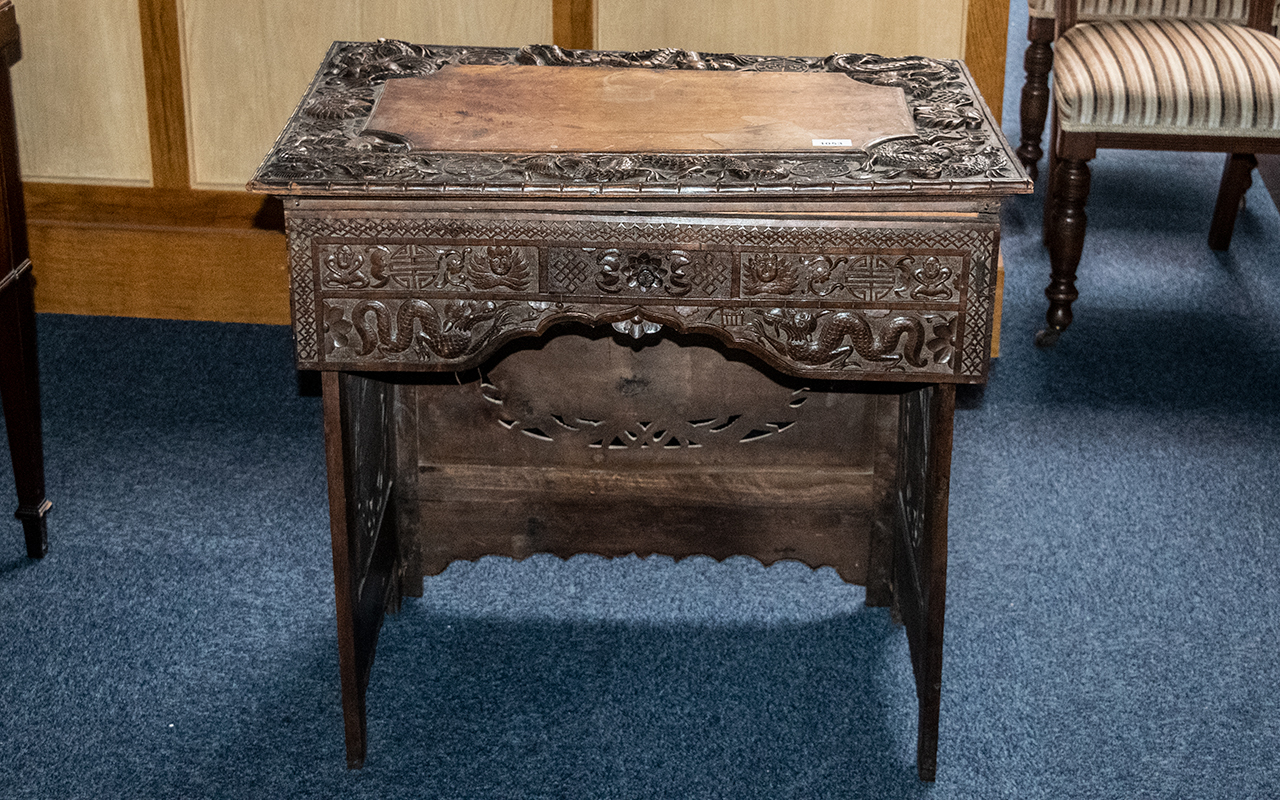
325 149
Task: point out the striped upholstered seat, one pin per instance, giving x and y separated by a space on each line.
1232 10
1180 76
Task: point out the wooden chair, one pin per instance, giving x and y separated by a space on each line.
1038 59
1154 84
19 377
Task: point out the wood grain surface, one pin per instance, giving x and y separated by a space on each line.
545 109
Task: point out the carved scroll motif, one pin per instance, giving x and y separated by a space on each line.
655 433
426 266
326 144
419 330
462 332
871 339
630 272
864 276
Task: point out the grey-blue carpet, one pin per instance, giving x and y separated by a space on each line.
1112 622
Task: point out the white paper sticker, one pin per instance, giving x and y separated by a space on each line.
833 143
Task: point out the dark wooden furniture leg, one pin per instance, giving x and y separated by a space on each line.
920 553
1237 177
1038 62
1065 234
19 372
359 455
20 387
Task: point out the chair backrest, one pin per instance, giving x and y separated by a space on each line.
1261 15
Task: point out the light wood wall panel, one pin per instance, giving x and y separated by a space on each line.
247 62
784 27
79 92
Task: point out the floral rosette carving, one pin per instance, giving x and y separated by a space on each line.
643 272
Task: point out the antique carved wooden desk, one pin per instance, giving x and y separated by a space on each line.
665 302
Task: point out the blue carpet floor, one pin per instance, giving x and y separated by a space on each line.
1113 612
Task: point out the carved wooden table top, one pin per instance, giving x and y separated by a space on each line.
326 149
836 216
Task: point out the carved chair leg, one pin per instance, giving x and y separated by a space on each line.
1237 177
1038 61
1066 242
20 388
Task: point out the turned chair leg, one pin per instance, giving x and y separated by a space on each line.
1237 177
1066 242
1038 61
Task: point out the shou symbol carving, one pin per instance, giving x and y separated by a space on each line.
867 277
327 145
425 266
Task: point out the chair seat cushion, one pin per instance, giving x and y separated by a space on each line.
1233 10
1177 76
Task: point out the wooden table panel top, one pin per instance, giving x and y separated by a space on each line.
595 109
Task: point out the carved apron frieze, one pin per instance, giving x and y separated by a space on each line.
825 301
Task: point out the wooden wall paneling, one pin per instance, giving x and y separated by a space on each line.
247 62
970 29
573 23
80 94
986 36
813 28
166 111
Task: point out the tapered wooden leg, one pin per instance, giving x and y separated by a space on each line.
920 556
1237 177
20 388
358 451
933 560
1065 234
1038 61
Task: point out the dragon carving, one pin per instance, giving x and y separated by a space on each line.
819 338
449 334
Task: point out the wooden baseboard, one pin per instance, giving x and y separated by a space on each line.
160 253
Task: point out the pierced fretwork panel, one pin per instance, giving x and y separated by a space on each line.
584 401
